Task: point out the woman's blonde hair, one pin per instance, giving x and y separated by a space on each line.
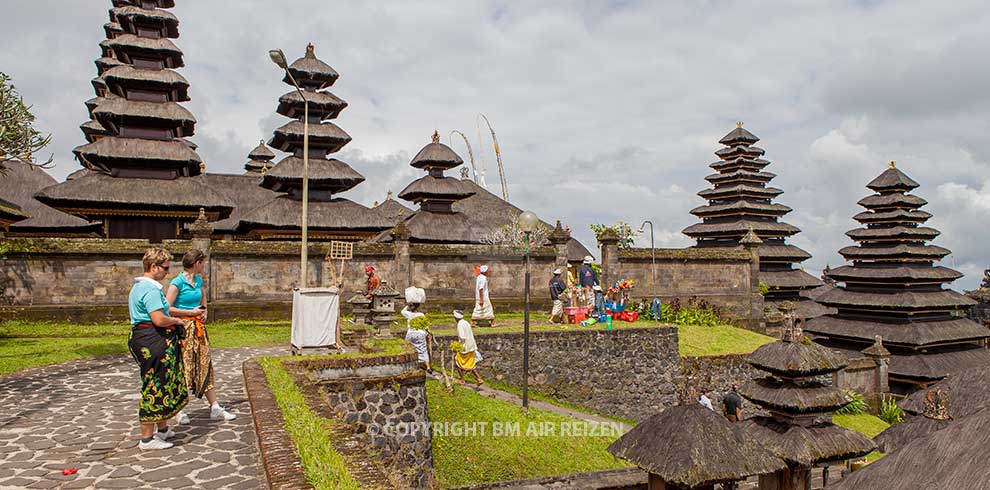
155 256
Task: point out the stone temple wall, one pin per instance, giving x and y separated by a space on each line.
382 403
630 373
88 279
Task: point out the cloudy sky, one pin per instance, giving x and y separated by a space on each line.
605 111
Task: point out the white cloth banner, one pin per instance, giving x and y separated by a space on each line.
314 317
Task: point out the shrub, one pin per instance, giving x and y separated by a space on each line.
695 312
456 346
890 412
857 406
420 323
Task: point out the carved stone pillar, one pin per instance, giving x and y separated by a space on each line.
609 243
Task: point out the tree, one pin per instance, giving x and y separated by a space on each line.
622 229
18 138
510 235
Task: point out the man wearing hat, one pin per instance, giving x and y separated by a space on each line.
588 278
483 309
468 358
557 287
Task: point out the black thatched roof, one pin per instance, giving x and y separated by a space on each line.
796 359
338 214
392 211
967 393
740 201
442 228
428 186
892 180
807 445
128 45
691 446
311 71
331 174
129 16
914 274
100 191
10 212
436 155
322 104
949 459
892 201
904 301
116 110
18 187
324 136
243 191
796 399
914 334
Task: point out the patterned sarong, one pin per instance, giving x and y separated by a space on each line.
197 358
163 384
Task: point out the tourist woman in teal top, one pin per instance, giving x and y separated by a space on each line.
154 344
185 294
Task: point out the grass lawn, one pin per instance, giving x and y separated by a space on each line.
718 340
865 424
25 345
478 458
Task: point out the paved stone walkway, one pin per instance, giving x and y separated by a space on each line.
83 415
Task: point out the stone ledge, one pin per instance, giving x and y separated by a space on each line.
88 246
279 455
690 253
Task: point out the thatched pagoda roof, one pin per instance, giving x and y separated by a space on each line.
324 136
128 45
949 459
18 188
914 334
807 445
10 212
796 359
322 104
393 211
131 77
129 16
243 191
284 212
311 71
105 64
788 397
261 153
436 155
690 446
118 110
742 200
430 227
113 151
435 187
330 174
98 191
892 180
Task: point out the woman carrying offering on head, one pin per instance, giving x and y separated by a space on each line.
154 344
185 294
417 327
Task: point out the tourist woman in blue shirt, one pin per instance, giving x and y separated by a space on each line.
185 294
154 344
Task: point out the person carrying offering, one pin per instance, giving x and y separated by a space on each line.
557 288
468 357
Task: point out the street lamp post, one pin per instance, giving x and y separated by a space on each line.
653 255
527 223
278 57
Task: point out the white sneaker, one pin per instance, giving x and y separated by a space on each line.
165 435
217 413
182 418
154 443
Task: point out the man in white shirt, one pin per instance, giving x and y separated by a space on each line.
704 400
469 357
483 309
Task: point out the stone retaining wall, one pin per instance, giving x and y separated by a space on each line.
718 373
383 402
630 373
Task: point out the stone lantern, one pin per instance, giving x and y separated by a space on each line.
383 309
361 307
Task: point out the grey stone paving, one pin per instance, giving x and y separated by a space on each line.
83 415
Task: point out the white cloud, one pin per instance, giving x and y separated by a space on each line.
604 111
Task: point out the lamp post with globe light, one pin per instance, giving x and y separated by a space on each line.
527 223
278 57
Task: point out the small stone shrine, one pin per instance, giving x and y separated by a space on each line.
383 309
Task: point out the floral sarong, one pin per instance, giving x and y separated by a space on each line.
163 382
197 358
